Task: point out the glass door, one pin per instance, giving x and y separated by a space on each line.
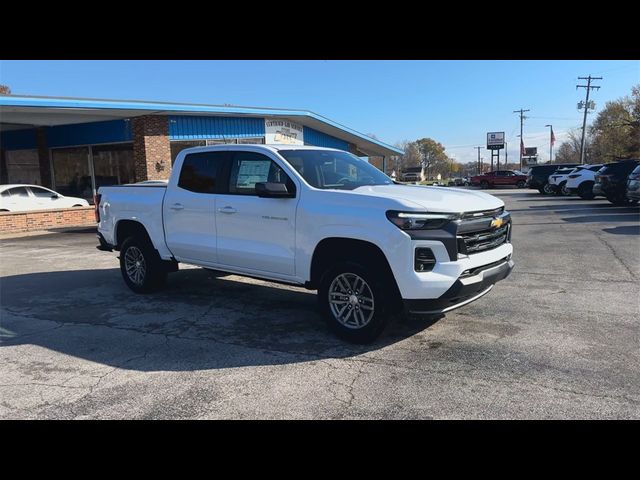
113 165
72 172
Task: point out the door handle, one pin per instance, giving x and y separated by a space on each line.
177 206
227 210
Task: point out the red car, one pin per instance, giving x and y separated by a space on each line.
500 177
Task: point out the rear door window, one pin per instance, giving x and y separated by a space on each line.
18 192
200 171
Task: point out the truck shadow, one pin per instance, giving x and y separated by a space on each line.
200 321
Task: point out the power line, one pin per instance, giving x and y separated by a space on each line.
588 87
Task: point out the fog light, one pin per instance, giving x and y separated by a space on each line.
424 260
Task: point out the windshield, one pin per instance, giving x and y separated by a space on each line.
329 169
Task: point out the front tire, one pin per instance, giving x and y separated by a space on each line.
520 184
548 189
352 300
484 184
621 200
141 266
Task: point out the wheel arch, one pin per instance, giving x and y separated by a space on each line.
335 249
126 228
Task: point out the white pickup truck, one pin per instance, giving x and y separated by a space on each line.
314 217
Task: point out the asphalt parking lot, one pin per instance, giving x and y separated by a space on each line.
559 338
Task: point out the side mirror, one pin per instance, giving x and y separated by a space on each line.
54 196
273 190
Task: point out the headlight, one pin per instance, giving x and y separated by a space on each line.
419 221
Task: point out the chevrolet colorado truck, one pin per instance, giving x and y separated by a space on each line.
314 217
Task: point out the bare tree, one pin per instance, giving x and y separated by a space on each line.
5 90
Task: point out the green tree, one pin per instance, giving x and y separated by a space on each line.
611 131
433 157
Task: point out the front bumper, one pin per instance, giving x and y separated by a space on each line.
469 287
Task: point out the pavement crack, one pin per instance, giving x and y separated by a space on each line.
617 257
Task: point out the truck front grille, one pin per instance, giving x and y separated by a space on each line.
484 240
476 233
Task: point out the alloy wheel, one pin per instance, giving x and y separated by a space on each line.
135 265
351 300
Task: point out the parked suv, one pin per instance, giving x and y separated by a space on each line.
633 185
611 181
318 218
499 177
538 177
581 181
558 179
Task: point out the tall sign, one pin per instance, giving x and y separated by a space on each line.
495 143
495 140
282 131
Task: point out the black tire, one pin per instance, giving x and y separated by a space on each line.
541 190
381 304
484 184
155 274
585 191
521 184
466 184
548 189
620 199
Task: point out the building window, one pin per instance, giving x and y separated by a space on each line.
23 166
113 165
179 145
71 172
81 171
258 140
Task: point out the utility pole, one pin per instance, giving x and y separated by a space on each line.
522 117
552 139
506 154
588 88
479 167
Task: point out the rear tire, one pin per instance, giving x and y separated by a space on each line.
585 191
142 268
484 184
353 302
548 189
520 184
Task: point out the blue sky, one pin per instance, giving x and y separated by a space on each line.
453 102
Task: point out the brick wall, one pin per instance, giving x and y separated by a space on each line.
151 147
11 222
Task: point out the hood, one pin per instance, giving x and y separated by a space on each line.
434 199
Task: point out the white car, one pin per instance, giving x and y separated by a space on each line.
319 218
558 179
22 198
581 181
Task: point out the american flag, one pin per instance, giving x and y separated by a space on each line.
553 137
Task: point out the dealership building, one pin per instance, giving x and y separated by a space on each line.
75 145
